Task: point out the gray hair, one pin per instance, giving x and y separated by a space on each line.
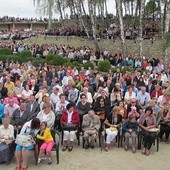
6 119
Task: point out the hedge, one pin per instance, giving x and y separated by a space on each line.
5 51
104 66
88 64
25 54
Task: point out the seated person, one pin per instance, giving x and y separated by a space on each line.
48 142
147 121
165 122
91 125
47 115
112 122
22 153
129 128
20 116
133 112
6 138
69 122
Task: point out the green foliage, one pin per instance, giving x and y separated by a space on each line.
104 65
127 69
49 57
5 51
76 64
88 64
57 60
36 62
25 54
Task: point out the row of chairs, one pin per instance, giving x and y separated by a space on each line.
58 137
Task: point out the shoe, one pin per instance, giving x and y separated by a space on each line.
17 168
144 152
70 148
134 150
106 148
92 144
86 145
39 161
126 148
49 161
64 148
166 141
24 168
147 152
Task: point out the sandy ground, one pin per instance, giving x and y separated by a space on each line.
96 159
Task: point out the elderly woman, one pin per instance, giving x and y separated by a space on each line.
22 153
47 115
6 138
69 122
91 125
112 123
130 127
147 121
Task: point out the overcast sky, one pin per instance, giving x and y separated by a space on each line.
25 8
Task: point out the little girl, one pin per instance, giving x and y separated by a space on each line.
48 142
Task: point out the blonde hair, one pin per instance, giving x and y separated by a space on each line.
116 109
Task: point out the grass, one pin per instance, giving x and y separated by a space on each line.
149 49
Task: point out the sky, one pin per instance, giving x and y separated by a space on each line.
26 9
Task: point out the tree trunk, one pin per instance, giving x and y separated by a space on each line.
84 11
92 13
105 5
119 8
167 20
142 6
60 10
50 13
79 12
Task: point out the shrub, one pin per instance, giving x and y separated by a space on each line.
57 60
104 65
25 54
76 64
5 51
49 57
129 69
65 60
88 64
36 62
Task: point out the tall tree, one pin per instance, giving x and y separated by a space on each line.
142 6
120 15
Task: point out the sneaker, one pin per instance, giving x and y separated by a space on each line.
49 161
39 161
92 144
86 145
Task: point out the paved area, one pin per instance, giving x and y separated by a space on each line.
116 158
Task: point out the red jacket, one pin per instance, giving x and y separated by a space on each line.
75 117
153 94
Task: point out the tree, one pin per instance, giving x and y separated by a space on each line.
142 6
46 8
119 10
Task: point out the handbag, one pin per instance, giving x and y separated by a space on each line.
24 140
69 127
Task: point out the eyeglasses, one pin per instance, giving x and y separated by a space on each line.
101 101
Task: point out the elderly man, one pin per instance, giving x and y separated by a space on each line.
20 116
10 107
91 125
143 97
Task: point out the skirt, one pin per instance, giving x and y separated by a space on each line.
4 152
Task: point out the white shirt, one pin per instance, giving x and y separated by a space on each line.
60 105
6 133
55 98
128 97
69 117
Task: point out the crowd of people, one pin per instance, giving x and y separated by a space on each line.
35 100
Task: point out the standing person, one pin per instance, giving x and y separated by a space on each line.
147 121
48 144
69 121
